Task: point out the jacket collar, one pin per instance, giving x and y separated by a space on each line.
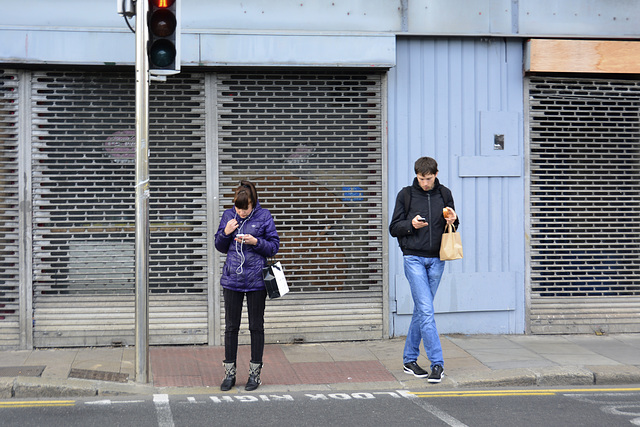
416 186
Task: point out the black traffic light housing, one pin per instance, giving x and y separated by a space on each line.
163 47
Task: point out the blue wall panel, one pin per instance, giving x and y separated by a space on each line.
439 93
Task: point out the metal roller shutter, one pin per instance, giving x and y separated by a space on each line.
9 273
584 205
84 214
312 143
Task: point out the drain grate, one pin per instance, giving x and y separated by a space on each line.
25 371
87 374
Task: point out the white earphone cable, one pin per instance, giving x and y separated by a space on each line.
240 252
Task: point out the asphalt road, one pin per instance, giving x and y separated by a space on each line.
430 407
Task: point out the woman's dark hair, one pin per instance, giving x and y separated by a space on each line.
245 194
426 166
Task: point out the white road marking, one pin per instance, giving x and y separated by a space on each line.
163 410
441 415
99 402
112 402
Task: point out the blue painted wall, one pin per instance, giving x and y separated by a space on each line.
287 32
448 98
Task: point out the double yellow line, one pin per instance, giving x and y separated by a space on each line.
489 393
36 403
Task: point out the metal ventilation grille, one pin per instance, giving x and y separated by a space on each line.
312 144
9 274
585 188
84 200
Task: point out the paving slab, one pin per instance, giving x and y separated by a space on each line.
14 358
98 359
473 342
515 358
386 349
348 352
57 362
296 353
452 351
459 364
613 347
559 347
628 339
580 359
128 362
563 351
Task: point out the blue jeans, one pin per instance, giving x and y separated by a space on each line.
424 276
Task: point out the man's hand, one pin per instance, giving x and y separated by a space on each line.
449 215
417 224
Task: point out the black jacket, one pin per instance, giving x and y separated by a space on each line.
424 242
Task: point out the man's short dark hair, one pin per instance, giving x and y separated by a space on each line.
426 166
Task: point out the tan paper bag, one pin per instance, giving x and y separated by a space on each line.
451 245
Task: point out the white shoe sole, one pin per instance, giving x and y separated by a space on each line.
410 372
433 380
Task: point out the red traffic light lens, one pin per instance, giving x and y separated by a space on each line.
163 3
163 23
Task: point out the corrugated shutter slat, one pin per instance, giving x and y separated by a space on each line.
585 204
312 143
9 213
84 214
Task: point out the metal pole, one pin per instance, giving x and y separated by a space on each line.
142 195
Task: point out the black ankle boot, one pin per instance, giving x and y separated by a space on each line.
254 376
229 376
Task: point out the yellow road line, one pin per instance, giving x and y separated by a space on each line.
545 392
481 394
37 403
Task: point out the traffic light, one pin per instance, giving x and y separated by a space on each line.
163 48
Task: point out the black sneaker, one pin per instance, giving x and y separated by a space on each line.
436 374
412 368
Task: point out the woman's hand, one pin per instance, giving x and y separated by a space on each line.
231 226
247 239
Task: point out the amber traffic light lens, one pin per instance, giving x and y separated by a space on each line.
163 23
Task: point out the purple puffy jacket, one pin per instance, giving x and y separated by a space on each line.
247 276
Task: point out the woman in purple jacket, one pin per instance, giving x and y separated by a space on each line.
247 234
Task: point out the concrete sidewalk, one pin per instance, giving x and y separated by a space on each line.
470 361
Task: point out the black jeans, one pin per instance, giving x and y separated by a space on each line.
233 315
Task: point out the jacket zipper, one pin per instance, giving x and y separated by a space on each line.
429 220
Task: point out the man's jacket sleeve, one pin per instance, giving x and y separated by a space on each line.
400 225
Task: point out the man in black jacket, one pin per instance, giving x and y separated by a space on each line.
419 218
